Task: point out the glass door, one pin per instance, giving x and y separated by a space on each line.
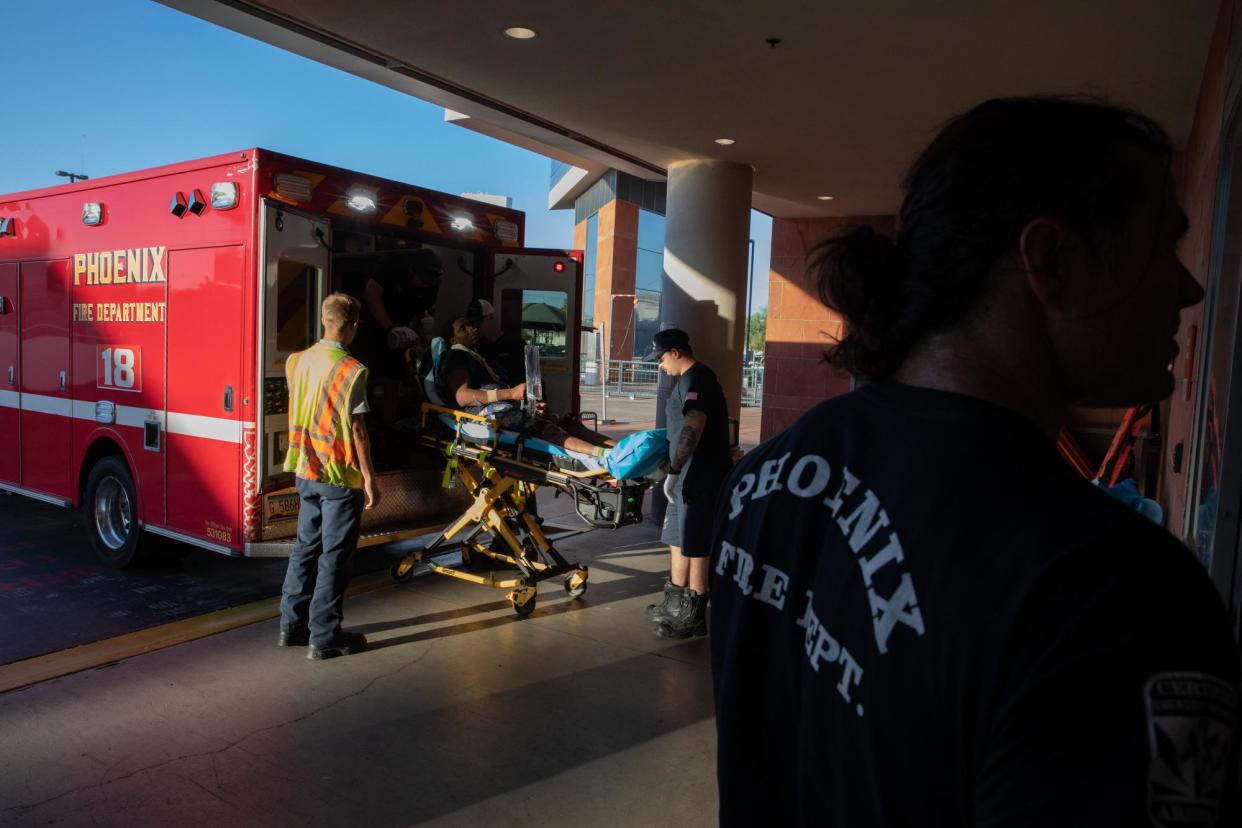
1215 496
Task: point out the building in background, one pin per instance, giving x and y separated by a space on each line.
489 198
619 225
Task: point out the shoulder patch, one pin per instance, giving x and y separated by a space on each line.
1191 725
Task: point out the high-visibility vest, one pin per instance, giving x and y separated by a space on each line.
321 438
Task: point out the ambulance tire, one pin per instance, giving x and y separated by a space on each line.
111 506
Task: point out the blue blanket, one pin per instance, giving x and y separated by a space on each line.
638 455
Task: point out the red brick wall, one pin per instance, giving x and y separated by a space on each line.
580 234
799 326
616 260
1198 170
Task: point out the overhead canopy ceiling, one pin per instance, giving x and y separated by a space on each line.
839 107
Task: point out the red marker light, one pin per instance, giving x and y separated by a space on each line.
558 266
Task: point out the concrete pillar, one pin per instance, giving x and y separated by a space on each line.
706 232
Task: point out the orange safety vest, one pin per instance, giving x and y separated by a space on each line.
321 438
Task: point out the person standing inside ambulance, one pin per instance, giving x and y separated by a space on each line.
330 455
396 299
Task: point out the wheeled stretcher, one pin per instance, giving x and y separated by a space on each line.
501 471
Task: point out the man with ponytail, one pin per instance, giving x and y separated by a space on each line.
922 616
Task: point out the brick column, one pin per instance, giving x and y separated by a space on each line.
615 265
799 326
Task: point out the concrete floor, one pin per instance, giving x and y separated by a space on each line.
460 714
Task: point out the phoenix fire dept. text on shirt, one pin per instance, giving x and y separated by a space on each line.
863 523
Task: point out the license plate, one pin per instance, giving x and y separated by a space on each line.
282 506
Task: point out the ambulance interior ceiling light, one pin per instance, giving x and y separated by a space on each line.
292 186
360 199
224 195
462 223
92 213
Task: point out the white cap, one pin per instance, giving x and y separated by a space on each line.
486 308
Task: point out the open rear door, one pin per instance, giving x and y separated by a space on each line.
538 295
296 261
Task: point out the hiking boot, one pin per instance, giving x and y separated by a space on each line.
295 638
688 617
342 644
664 610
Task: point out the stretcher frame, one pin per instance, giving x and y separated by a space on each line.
501 487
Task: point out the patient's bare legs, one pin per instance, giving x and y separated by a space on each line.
582 440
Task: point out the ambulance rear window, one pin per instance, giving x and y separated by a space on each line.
543 319
296 323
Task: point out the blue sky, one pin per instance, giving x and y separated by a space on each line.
104 88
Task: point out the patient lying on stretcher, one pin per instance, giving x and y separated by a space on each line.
467 382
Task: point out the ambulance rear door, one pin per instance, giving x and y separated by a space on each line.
296 260
538 295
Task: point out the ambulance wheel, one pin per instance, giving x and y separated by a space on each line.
575 584
112 514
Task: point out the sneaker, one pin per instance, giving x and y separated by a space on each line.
664 610
689 617
342 644
297 638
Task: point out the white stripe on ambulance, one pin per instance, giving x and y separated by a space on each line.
188 425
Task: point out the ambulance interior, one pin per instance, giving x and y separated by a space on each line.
307 256
296 288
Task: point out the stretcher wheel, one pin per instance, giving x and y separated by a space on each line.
576 583
402 571
523 599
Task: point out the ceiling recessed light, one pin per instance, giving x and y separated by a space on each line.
520 32
824 198
724 142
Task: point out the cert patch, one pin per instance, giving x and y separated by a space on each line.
1191 719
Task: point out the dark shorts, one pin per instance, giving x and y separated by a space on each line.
688 523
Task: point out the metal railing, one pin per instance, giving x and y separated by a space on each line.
636 379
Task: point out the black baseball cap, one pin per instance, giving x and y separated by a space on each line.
666 340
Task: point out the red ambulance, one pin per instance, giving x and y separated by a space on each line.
145 320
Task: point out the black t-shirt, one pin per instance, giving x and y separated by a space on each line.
455 359
922 616
508 356
404 302
699 390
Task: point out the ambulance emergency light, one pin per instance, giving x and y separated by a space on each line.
462 224
505 230
92 213
292 186
361 198
224 195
